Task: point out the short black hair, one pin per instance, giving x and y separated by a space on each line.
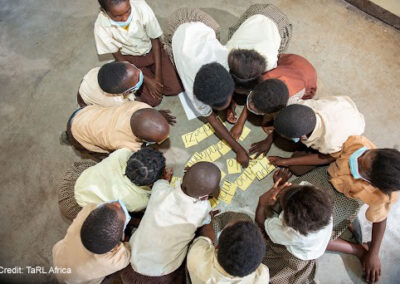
246 65
145 166
241 248
270 95
105 4
213 85
295 120
111 77
385 171
102 230
306 208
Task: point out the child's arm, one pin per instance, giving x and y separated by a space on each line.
220 130
208 231
263 146
237 129
80 101
157 58
370 261
307 160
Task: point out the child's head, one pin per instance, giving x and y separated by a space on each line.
246 65
269 96
241 248
145 167
103 228
149 125
213 85
295 121
201 180
119 77
117 10
382 167
306 208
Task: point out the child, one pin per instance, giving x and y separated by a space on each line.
293 79
105 129
301 232
371 175
323 125
261 33
130 31
110 85
236 258
124 175
201 61
169 224
93 247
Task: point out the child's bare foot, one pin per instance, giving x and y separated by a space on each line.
231 116
361 250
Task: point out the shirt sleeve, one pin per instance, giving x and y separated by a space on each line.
277 232
160 185
122 256
150 21
201 249
105 43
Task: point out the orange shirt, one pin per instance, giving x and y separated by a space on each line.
379 203
297 73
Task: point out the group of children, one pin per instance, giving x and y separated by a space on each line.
128 220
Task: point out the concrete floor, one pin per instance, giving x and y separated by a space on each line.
47 46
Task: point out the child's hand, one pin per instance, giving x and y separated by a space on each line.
260 148
278 161
236 131
155 88
167 114
167 174
283 174
207 231
372 267
270 197
243 158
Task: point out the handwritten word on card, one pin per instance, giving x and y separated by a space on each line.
213 202
189 139
245 179
223 147
262 168
227 192
233 166
212 153
245 132
223 174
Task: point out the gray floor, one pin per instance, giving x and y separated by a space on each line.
47 46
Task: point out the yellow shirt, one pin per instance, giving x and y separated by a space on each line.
134 41
337 119
92 94
86 267
203 267
107 181
103 130
379 203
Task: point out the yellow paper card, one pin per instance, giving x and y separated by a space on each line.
208 129
174 180
245 132
233 166
262 174
189 139
223 174
227 192
245 179
262 168
223 147
213 202
212 153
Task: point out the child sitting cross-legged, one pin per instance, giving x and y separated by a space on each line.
299 235
93 246
172 217
236 257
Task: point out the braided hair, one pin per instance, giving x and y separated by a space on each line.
145 166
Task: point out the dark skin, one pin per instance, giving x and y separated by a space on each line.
151 125
130 80
120 13
220 130
202 180
269 198
369 256
116 206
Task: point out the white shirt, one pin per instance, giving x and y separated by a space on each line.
203 267
337 119
92 94
194 45
134 41
107 181
169 224
260 33
303 247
